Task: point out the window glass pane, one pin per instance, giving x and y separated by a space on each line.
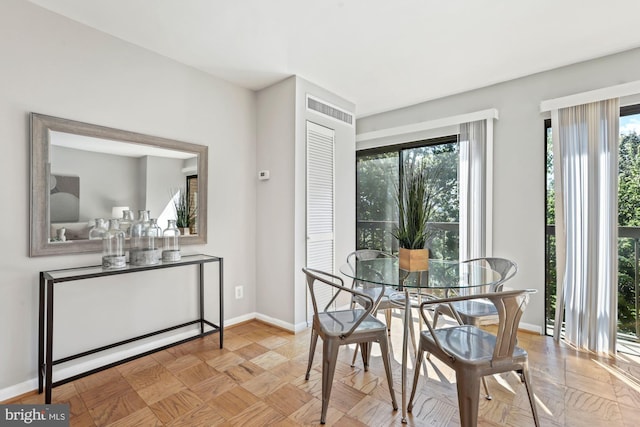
377 181
442 162
629 226
376 213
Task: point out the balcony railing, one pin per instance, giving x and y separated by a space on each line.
373 234
628 281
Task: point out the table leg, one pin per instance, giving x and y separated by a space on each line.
405 344
201 292
49 351
41 335
221 281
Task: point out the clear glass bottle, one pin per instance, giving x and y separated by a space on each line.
126 222
171 244
138 227
154 236
98 230
113 246
143 244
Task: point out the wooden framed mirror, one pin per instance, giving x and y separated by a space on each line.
81 172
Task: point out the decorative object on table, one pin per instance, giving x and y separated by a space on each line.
60 234
126 222
185 213
98 230
171 243
113 246
416 202
143 243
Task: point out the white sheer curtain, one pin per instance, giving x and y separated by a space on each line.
473 189
586 183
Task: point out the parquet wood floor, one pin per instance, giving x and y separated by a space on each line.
258 380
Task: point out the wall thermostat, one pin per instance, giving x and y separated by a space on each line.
263 175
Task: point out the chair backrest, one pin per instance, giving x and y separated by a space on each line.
505 267
510 306
320 278
365 255
323 277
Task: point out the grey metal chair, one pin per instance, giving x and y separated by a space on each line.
479 312
342 327
474 353
373 291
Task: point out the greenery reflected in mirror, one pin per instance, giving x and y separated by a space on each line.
81 172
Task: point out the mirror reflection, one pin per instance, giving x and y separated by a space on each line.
83 173
94 179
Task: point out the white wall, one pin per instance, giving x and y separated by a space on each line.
519 168
52 65
281 219
275 150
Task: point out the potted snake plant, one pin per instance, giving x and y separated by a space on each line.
184 213
415 199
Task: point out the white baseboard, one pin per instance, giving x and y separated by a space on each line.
295 328
239 319
531 328
18 389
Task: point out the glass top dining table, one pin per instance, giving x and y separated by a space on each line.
442 274
442 277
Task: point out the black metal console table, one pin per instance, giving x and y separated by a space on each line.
48 280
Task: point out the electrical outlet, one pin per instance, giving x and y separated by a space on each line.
239 292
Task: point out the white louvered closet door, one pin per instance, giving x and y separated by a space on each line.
320 203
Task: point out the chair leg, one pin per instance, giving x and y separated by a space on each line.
312 349
329 359
365 349
416 375
532 398
355 355
386 359
387 315
468 395
487 395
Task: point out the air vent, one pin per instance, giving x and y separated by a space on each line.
329 110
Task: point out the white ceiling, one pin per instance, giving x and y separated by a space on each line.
379 54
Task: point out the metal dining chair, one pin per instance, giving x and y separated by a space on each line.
474 353
373 291
479 312
342 327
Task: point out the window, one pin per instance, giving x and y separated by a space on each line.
628 227
378 174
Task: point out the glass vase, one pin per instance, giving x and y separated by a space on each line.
126 222
171 244
143 241
113 246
